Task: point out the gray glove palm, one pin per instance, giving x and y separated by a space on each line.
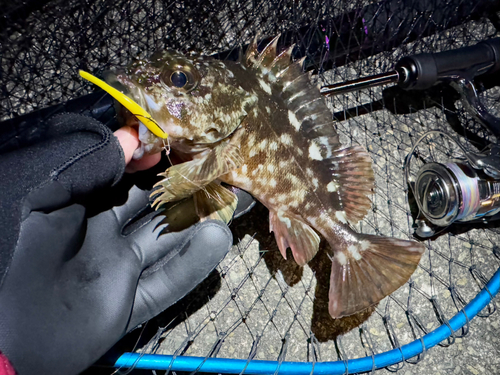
72 285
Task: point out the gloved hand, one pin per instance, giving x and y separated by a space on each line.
71 286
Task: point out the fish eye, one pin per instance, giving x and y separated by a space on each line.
181 78
178 79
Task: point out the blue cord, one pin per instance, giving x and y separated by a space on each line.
235 366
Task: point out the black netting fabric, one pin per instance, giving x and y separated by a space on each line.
256 305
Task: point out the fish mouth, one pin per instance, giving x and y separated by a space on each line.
164 114
123 92
111 77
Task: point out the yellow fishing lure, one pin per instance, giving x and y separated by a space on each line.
128 103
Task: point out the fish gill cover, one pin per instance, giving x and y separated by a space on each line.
256 305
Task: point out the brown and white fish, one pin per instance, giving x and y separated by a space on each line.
259 124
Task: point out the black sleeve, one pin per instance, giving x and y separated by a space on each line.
78 151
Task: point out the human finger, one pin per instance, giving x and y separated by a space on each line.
129 140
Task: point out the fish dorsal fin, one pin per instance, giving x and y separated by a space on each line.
251 53
309 114
353 179
280 64
268 54
307 109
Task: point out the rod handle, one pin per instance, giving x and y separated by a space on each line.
422 71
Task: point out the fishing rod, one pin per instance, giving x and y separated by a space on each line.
458 67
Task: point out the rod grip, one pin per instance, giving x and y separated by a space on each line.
422 71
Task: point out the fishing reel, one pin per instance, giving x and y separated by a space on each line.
456 190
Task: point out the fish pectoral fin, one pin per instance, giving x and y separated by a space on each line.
353 179
369 269
183 180
215 202
176 184
295 234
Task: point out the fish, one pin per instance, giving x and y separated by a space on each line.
259 124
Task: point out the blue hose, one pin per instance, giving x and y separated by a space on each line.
235 366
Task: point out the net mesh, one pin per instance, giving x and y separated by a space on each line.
256 305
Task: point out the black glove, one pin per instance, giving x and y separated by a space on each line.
71 286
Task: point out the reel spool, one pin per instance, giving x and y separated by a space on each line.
456 190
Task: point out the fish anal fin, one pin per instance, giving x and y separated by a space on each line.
295 234
353 177
367 270
215 202
183 180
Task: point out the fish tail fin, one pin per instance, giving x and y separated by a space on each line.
367 268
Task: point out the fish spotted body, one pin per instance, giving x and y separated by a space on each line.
259 124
